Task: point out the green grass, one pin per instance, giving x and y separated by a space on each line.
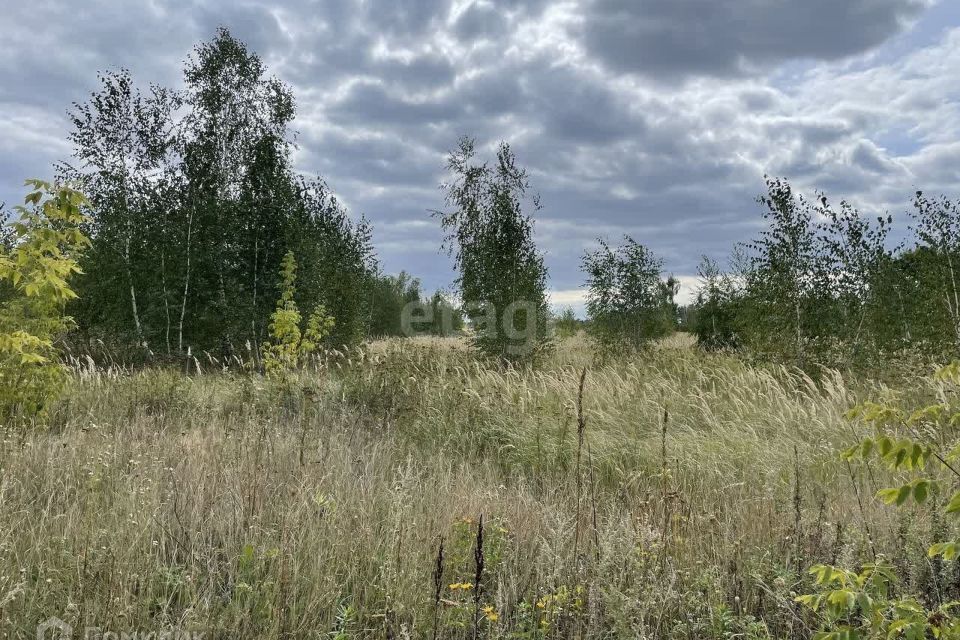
219 503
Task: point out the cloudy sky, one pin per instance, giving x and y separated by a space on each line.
656 118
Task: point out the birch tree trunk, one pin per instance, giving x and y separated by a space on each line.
186 280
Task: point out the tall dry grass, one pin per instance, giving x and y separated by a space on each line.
220 503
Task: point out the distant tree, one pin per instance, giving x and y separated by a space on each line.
194 204
566 324
936 223
628 300
820 285
236 165
123 140
8 238
337 260
389 295
917 315
716 308
855 262
501 274
783 277
446 319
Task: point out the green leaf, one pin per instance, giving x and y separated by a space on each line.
885 445
954 505
946 549
916 455
903 493
889 496
900 457
843 598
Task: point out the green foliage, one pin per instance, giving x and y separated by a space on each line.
336 260
937 226
194 203
289 346
446 319
781 278
459 589
389 296
818 286
716 311
920 446
628 299
861 605
398 308
36 267
907 440
502 277
567 324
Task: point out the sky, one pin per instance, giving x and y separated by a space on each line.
653 118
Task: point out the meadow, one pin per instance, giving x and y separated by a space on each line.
672 493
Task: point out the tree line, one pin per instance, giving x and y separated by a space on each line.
197 222
193 204
824 284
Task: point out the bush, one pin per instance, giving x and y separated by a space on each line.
289 345
36 267
628 300
920 447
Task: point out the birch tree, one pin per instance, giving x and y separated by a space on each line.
501 274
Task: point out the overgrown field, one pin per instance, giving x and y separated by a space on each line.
702 491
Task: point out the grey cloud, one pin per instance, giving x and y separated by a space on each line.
372 103
256 24
385 88
391 162
579 109
480 20
423 72
405 17
492 92
759 99
670 39
871 158
319 63
813 132
935 166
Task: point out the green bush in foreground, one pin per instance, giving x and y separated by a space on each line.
921 448
36 268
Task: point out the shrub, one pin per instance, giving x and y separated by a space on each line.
36 267
921 447
628 300
289 345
